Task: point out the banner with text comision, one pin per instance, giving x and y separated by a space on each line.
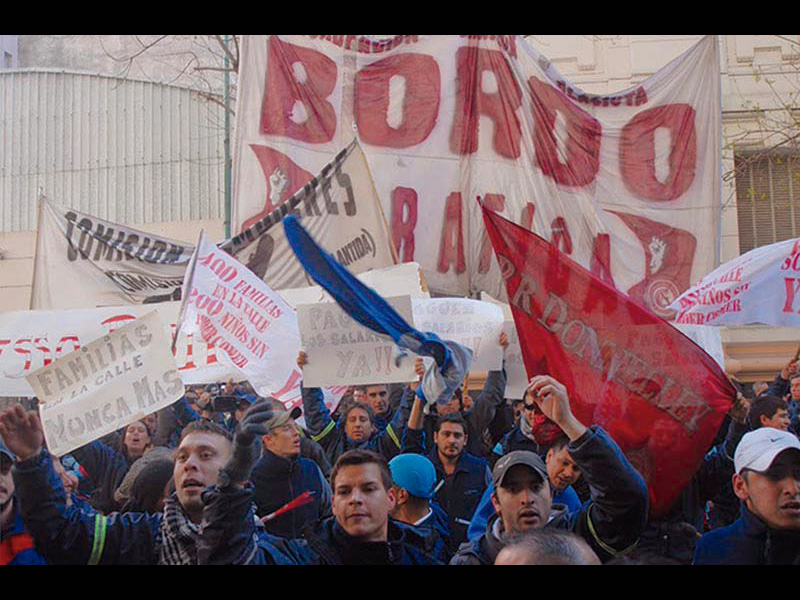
82 262
658 394
108 383
626 183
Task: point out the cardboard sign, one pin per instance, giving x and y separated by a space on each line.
30 340
516 375
342 351
472 323
110 382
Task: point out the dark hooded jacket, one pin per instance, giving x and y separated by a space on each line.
611 522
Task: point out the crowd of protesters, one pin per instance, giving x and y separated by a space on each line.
224 476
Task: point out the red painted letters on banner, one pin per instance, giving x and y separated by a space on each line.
659 395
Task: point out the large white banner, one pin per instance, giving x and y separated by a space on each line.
342 351
30 340
626 183
108 383
760 286
82 262
338 207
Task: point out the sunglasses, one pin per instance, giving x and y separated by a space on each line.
5 464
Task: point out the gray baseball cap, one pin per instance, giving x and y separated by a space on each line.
518 457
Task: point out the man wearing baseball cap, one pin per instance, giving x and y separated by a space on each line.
414 482
767 482
610 522
282 476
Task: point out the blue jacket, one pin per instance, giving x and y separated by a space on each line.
106 468
781 387
438 526
16 544
277 481
406 545
748 541
480 417
458 494
331 436
515 440
611 522
69 536
324 542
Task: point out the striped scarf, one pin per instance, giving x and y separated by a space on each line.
178 536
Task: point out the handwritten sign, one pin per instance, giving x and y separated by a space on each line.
249 323
472 323
107 384
342 351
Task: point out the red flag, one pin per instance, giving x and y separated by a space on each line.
658 394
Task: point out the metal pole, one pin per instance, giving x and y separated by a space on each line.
227 143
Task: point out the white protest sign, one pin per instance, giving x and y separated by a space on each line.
249 323
759 286
471 323
32 339
516 375
107 384
342 351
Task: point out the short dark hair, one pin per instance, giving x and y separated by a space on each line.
363 386
562 441
363 406
205 426
362 457
766 406
451 418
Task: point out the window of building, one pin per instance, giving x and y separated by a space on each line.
767 197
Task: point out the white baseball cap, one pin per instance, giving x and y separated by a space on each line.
757 449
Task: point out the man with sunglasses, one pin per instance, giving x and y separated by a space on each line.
522 436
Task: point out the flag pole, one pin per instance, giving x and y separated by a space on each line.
187 286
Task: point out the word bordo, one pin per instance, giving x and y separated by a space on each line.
302 76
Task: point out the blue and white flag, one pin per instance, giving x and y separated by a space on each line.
367 307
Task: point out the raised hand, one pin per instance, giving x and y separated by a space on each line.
22 432
237 469
552 398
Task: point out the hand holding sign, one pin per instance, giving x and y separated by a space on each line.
22 432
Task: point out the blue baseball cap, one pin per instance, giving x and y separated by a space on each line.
4 450
414 473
